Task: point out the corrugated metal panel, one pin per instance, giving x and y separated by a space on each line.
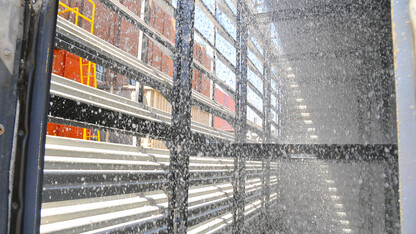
95 186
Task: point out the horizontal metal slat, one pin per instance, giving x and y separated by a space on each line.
105 101
78 41
255 69
225 8
257 111
255 90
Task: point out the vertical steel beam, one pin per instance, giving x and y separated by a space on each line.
267 96
12 18
391 193
236 133
33 102
181 117
267 192
363 85
266 130
214 67
387 83
242 37
387 114
37 117
404 64
241 114
281 110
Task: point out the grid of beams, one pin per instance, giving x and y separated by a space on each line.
185 137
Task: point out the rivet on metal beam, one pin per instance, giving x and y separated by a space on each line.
7 52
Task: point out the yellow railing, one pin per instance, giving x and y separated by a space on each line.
86 137
92 67
77 14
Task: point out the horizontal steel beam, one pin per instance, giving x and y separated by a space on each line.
333 10
255 90
102 110
346 152
225 9
256 110
335 54
255 70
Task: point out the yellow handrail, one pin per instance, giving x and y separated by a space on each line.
85 137
90 65
76 12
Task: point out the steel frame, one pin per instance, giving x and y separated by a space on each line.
32 106
9 80
32 118
181 117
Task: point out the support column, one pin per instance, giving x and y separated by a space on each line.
214 70
181 118
267 133
281 109
388 116
267 192
9 109
267 97
391 193
33 104
241 118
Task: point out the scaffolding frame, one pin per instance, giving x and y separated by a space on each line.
186 137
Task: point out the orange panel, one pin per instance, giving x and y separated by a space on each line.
67 65
224 100
58 62
222 124
52 129
72 69
71 132
228 102
66 131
